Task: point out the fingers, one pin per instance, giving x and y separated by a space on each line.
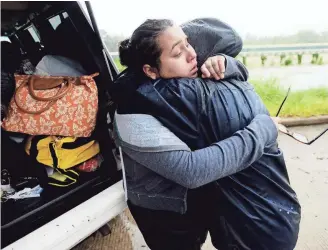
209 65
277 122
221 63
214 67
205 71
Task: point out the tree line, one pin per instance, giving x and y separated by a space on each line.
304 36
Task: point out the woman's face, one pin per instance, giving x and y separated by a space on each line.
178 58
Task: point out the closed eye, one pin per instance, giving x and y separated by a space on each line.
178 55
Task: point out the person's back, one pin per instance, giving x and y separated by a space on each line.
202 112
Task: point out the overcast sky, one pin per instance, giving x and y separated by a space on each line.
257 17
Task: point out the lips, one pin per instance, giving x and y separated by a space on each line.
193 71
194 68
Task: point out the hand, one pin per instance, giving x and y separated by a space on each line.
277 121
214 67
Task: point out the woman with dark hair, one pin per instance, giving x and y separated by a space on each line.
206 162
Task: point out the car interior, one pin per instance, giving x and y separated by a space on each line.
29 31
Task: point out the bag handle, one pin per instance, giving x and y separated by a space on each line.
59 94
51 100
39 86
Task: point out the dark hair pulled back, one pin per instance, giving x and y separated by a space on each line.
142 48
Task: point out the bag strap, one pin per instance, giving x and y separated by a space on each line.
71 175
53 155
61 92
39 167
94 75
71 178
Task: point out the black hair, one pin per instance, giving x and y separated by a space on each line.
142 48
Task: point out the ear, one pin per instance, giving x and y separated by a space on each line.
151 72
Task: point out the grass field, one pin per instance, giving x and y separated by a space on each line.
118 64
299 103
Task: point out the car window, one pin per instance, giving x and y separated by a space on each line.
5 38
55 21
34 34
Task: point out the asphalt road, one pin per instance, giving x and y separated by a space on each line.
308 171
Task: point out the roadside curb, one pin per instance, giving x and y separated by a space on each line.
302 121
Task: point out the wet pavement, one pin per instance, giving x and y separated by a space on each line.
308 171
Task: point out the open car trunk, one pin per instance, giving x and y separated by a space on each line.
32 27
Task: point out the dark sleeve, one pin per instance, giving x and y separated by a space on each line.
231 43
234 69
197 168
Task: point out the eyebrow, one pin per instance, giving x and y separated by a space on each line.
176 43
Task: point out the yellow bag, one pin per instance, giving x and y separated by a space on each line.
61 152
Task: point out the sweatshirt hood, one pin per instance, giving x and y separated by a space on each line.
210 36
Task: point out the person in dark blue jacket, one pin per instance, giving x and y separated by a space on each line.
255 208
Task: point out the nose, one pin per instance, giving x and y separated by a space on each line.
191 55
